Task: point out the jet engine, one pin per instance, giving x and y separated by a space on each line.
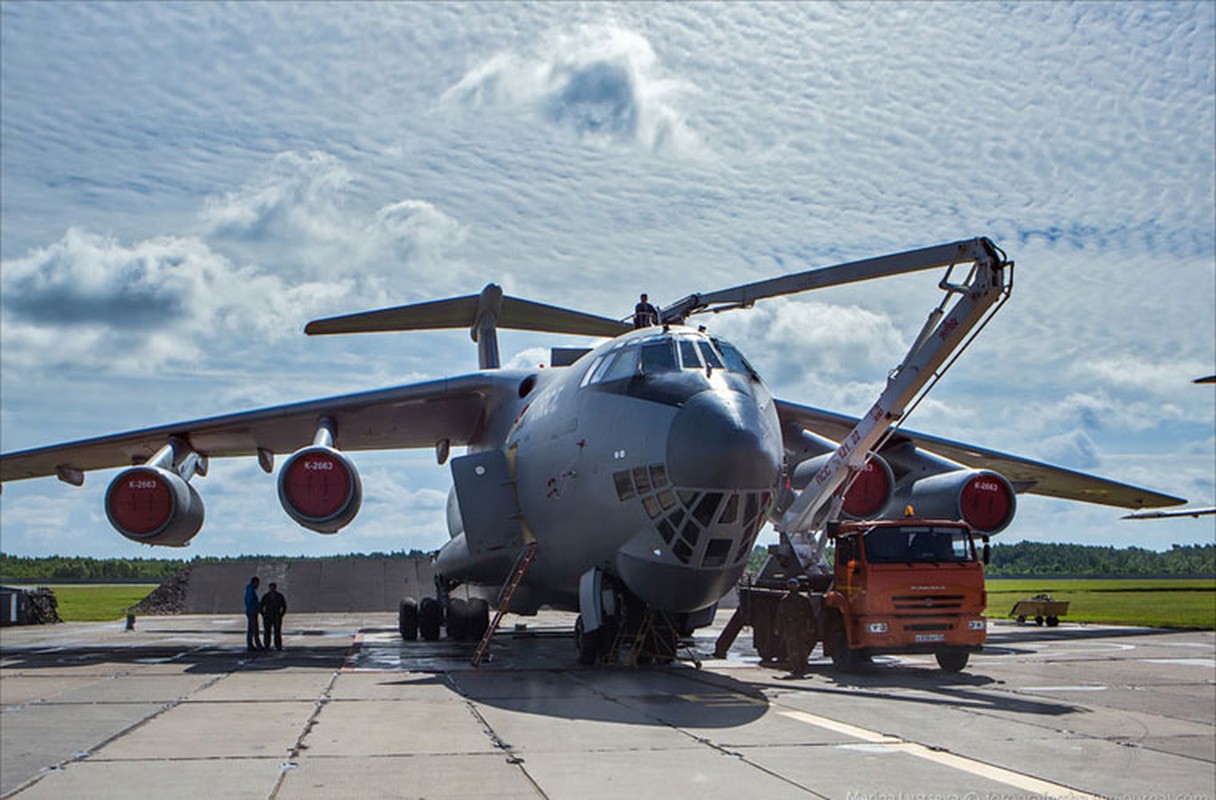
983 499
154 505
319 488
868 496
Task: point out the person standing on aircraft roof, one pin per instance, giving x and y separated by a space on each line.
274 607
795 621
644 314
252 639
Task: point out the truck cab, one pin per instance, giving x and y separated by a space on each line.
904 586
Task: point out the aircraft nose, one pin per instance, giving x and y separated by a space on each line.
724 440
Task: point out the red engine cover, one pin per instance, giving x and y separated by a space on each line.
986 503
870 492
153 505
320 489
140 503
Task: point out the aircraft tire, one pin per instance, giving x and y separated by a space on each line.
588 644
952 660
430 619
479 618
458 619
407 619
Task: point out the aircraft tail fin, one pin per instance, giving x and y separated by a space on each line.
481 313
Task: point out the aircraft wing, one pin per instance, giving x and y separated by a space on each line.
417 415
1026 475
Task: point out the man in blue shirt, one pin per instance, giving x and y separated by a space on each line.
253 640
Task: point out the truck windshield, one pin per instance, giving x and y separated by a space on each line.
919 543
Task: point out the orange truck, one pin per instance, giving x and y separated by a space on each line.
898 586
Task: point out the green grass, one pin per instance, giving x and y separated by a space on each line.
1155 602
98 602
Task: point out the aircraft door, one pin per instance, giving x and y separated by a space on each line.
485 492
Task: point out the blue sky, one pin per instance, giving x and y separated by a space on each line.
182 187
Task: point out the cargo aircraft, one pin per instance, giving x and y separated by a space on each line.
635 475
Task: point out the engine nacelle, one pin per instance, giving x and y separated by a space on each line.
870 493
319 488
983 499
154 505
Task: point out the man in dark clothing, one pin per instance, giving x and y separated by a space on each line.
644 314
252 640
274 606
795 620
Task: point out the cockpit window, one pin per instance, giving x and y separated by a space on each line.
711 357
620 364
735 361
688 353
591 370
659 357
665 354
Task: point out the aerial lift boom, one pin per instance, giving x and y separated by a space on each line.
945 335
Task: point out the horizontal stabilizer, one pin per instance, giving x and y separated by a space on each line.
461 312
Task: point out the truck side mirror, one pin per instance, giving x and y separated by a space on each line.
987 551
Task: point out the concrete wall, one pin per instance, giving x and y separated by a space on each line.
348 584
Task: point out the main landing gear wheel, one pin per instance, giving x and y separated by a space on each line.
407 619
588 644
458 619
479 618
952 660
467 619
430 618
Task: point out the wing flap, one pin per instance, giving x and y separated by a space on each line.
1026 475
417 415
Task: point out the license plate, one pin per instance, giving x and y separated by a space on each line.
930 637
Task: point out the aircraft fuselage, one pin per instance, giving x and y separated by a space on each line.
654 457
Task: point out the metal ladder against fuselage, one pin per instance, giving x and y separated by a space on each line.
504 600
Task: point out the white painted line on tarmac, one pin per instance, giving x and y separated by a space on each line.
1210 663
1204 645
1018 780
1087 688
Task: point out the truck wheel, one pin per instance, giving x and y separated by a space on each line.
407 619
844 659
952 660
1053 622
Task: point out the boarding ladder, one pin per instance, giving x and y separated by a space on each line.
526 556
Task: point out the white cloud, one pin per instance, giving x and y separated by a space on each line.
91 300
297 218
603 82
1148 376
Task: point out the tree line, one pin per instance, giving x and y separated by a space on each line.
1043 558
1021 558
24 569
